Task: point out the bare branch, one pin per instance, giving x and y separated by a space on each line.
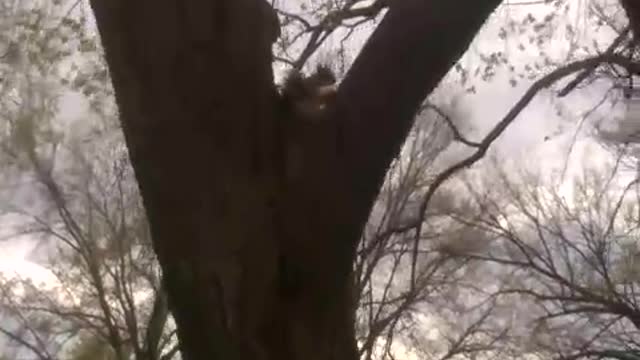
26 344
454 129
330 23
588 71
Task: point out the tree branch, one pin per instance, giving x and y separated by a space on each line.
156 323
586 72
26 344
320 32
401 63
454 129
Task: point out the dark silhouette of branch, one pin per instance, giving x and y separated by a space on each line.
588 71
401 63
297 18
26 344
320 32
171 353
156 323
454 129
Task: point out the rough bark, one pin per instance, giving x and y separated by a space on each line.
257 265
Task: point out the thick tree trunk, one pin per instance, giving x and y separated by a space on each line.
632 8
257 264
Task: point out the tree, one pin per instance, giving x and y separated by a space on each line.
104 292
194 81
568 257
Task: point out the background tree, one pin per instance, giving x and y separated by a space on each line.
569 258
68 184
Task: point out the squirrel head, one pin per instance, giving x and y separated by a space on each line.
323 76
310 95
320 84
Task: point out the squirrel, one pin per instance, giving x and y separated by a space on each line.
303 104
303 107
306 97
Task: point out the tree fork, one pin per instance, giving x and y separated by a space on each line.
199 111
